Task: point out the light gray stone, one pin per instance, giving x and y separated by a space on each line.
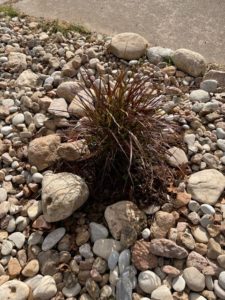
162 293
53 238
206 186
178 284
194 279
199 96
158 54
98 231
46 289
176 157
104 247
148 281
18 239
209 85
62 194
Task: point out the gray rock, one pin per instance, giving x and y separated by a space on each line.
62 194
189 61
209 85
53 238
85 251
199 96
196 296
124 260
14 290
148 281
207 209
159 54
124 289
194 279
220 133
206 186
98 231
7 247
193 205
18 119
113 260
18 239
104 247
46 289
221 144
37 177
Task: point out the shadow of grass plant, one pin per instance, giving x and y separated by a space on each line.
127 138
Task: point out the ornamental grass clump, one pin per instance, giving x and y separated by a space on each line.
127 138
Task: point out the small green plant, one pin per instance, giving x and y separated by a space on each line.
63 27
127 138
8 10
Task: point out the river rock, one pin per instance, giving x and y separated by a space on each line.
189 61
194 279
162 293
62 194
162 223
148 281
42 151
98 231
128 46
206 186
17 61
167 248
104 247
53 238
14 290
158 54
46 289
122 214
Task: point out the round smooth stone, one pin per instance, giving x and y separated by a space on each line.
148 281
209 85
146 233
37 177
53 238
219 291
193 206
206 220
18 119
178 284
207 209
98 231
113 260
6 130
18 239
124 260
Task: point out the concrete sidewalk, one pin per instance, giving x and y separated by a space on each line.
198 25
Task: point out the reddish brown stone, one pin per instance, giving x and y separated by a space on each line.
141 256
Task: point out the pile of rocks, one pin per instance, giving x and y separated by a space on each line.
170 252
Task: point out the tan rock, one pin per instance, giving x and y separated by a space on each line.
17 61
214 249
128 46
189 61
27 78
68 90
80 103
42 152
142 258
200 234
73 151
162 223
14 267
124 213
31 269
3 279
